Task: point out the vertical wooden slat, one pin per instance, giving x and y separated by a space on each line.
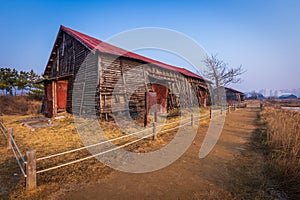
153 130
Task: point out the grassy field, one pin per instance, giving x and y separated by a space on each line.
19 105
282 142
46 141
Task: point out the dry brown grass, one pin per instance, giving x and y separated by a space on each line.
283 143
284 102
19 105
46 141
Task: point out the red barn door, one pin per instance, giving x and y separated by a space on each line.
161 96
61 92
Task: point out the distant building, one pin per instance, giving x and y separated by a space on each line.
255 95
288 96
234 95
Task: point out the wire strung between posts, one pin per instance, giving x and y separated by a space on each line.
92 156
103 142
18 150
92 145
107 151
203 118
1 122
104 152
3 132
19 163
163 131
173 122
3 129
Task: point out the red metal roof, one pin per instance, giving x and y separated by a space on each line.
95 44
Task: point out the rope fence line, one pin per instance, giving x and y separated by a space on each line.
13 145
3 132
175 122
92 156
19 163
30 164
107 151
163 131
103 142
3 129
110 150
203 118
17 148
101 153
92 145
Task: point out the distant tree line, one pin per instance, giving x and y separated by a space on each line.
13 82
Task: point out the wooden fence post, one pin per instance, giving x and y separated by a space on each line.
153 130
9 136
210 113
155 116
31 170
192 120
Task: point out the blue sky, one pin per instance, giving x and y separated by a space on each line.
263 36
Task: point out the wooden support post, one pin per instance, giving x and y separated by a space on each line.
145 119
146 111
221 109
9 136
192 120
210 113
153 130
31 170
155 116
228 108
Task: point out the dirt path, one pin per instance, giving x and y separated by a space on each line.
187 178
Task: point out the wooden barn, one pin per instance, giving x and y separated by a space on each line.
77 60
234 95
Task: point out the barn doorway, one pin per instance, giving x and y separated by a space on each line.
161 97
61 95
48 103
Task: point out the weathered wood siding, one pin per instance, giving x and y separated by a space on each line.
114 74
67 58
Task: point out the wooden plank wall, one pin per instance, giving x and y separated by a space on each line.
68 57
114 70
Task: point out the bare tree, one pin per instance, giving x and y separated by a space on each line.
219 73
